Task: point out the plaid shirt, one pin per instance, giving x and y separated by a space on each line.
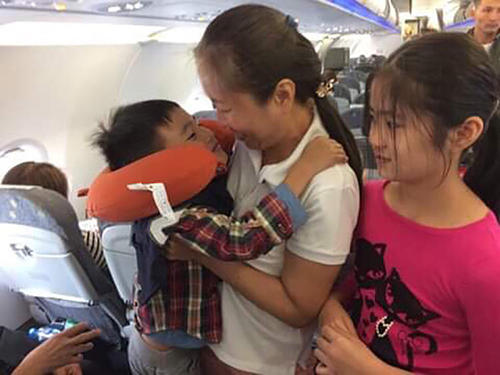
189 299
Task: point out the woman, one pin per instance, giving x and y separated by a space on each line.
264 79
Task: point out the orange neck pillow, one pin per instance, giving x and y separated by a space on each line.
184 170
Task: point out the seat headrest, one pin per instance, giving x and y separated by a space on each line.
45 209
37 207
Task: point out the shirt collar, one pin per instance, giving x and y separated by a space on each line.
274 174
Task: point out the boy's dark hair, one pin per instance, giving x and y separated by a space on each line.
132 132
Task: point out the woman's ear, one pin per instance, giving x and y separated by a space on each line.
284 94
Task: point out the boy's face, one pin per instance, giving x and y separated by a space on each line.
184 129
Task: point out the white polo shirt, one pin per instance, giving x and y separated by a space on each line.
253 340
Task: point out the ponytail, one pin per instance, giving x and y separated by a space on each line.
483 176
337 130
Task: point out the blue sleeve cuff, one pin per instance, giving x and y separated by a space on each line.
295 208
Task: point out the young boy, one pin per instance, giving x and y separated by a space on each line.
177 304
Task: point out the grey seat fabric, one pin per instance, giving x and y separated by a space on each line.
44 256
361 76
121 257
350 82
342 104
341 91
366 152
360 99
354 116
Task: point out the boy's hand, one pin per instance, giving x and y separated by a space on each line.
321 153
177 249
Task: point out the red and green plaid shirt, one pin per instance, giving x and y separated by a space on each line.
190 300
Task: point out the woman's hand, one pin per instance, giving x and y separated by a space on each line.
333 313
342 352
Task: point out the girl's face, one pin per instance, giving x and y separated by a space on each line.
252 122
402 142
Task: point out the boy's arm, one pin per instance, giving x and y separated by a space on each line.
272 222
274 219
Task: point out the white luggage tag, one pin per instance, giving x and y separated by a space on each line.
168 216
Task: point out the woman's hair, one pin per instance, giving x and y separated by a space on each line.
252 47
448 78
38 174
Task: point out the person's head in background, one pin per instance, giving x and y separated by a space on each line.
141 129
486 14
262 75
432 100
38 174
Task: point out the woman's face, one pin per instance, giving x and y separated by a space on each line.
253 123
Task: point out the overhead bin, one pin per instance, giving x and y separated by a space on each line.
319 16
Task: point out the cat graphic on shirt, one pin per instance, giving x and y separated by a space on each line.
385 304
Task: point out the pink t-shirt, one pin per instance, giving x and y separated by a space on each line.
428 300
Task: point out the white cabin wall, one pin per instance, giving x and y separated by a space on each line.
56 95
369 44
151 71
165 71
100 77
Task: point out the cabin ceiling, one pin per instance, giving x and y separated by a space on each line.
314 15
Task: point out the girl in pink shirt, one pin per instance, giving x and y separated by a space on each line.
427 267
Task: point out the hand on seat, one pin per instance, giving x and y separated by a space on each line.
60 350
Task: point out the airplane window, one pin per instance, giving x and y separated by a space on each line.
18 152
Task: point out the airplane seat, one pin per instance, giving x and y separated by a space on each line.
341 91
332 100
120 257
341 103
354 94
354 116
45 259
360 99
361 76
354 74
350 82
210 115
367 157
